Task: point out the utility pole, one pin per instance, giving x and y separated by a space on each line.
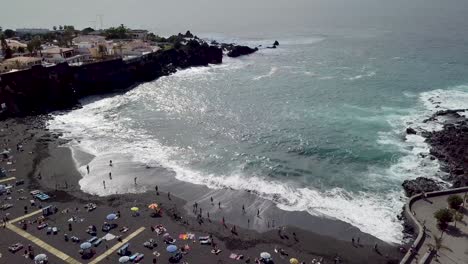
101 18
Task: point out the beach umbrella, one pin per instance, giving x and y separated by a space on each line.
111 217
85 245
153 206
294 261
124 259
40 257
134 209
171 248
265 255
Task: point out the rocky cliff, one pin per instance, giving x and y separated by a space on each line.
42 90
449 146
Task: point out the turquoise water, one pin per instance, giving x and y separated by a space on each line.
316 125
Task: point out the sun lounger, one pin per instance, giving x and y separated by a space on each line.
205 242
123 251
216 251
49 230
91 240
6 206
134 256
54 230
15 247
204 238
97 242
236 256
42 226
139 257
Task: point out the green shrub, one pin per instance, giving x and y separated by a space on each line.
454 201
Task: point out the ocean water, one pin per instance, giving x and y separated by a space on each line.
317 125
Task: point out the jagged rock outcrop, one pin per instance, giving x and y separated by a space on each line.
420 184
410 131
450 146
236 51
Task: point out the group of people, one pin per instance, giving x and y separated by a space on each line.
110 175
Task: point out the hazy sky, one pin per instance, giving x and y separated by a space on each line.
233 15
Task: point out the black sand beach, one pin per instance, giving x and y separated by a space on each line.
44 155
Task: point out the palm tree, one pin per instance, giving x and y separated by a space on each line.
457 217
437 246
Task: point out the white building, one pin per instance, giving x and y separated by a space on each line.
134 48
138 34
59 55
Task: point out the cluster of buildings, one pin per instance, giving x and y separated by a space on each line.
84 49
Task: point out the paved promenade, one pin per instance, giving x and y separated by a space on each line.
454 247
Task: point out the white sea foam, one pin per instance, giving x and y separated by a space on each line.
272 72
360 76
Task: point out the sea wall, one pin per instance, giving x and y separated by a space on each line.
44 89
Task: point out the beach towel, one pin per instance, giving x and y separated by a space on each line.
183 236
236 256
108 237
190 236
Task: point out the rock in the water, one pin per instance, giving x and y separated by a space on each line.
420 184
410 131
237 51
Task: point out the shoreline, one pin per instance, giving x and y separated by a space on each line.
56 165
271 216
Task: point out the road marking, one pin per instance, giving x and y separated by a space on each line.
116 246
8 179
43 245
25 216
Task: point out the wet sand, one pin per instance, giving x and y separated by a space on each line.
316 237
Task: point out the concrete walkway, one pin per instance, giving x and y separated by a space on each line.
42 244
117 246
11 226
455 240
7 179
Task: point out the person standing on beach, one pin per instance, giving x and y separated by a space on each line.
110 175
219 205
169 195
135 179
258 212
243 209
87 168
110 163
104 183
211 198
156 188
